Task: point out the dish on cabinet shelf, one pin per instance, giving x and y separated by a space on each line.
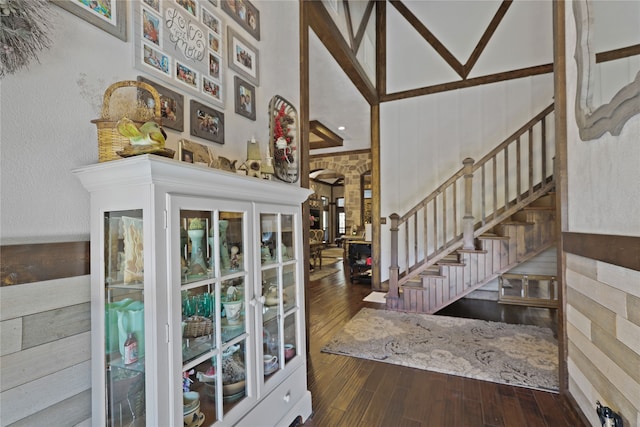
233 397
198 420
271 368
233 389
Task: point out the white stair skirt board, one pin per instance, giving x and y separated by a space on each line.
379 297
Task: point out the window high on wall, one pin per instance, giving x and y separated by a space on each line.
342 217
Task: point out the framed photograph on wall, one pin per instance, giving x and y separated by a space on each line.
245 98
211 88
172 108
245 14
113 20
243 58
192 152
206 122
180 43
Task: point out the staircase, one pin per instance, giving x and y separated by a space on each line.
509 191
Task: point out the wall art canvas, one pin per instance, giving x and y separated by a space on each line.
180 44
108 15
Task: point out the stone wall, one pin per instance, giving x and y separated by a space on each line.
351 165
603 329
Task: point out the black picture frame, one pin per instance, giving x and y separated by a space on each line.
241 90
245 14
172 108
206 122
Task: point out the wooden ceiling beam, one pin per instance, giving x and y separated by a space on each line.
476 81
624 52
347 17
363 26
325 137
381 47
484 40
429 37
324 27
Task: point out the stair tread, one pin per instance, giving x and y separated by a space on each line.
472 251
435 276
411 286
494 237
456 263
516 222
430 273
539 208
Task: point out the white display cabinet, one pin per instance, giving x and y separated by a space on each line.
197 296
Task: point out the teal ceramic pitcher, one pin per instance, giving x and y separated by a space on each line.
131 319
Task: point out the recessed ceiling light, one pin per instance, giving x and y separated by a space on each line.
341 128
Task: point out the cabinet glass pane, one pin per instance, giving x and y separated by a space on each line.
195 247
287 246
233 320
271 293
272 344
231 243
198 322
290 334
268 238
289 286
233 375
124 317
199 394
201 389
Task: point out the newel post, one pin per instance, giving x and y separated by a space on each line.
467 221
394 269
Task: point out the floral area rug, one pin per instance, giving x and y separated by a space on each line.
519 355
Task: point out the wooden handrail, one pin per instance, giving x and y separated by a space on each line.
430 229
513 137
459 174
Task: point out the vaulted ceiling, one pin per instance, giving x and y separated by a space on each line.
424 47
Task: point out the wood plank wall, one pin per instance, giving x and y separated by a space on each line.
45 334
603 322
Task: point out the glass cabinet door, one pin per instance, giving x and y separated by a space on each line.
124 317
278 290
213 279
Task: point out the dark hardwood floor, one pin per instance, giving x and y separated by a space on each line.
352 392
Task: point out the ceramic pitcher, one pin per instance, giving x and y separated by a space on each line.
111 323
131 319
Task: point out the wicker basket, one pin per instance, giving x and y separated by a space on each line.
197 326
109 139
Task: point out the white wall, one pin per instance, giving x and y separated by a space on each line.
604 179
602 299
45 132
46 113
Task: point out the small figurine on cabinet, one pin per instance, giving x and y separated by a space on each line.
235 258
186 381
